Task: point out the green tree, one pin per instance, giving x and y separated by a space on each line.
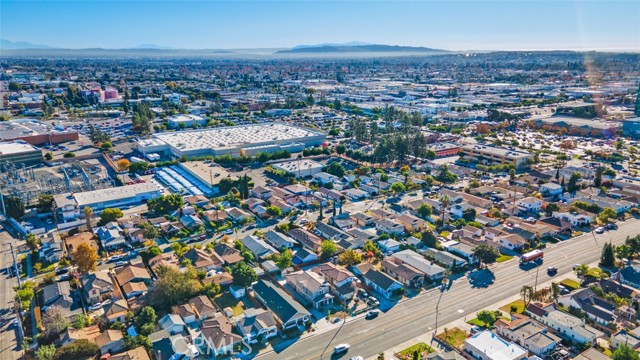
487 254
165 204
77 350
327 249
608 258
110 214
284 259
85 258
54 323
397 188
174 287
14 207
445 201
243 274
274 211
606 214
46 352
350 257
88 213
550 208
45 202
572 186
425 210
48 156
625 352
429 239
581 271
487 317
32 241
527 294
341 149
145 320
335 168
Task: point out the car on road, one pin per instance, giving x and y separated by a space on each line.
372 314
62 271
340 348
121 263
552 270
95 306
611 226
228 232
600 230
62 278
16 322
357 358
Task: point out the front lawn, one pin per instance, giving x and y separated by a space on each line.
516 306
226 300
476 322
407 354
570 284
453 337
503 258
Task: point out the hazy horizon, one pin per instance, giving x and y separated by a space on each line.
449 25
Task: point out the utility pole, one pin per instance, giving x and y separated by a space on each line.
15 266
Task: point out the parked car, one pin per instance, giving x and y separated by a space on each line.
600 230
62 271
611 226
552 270
372 314
95 306
357 358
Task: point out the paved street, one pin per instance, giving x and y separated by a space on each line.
416 316
9 346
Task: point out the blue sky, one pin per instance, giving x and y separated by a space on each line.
446 24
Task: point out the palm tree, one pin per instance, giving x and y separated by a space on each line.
445 201
527 294
88 212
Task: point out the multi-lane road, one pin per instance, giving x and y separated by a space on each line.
416 316
9 333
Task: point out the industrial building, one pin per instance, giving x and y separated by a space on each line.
300 168
631 127
186 120
35 132
245 140
70 205
19 153
497 155
577 126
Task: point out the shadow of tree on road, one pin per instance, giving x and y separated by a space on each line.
481 278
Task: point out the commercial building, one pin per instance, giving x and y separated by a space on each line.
301 168
444 149
486 345
497 155
245 140
70 206
186 120
19 152
35 132
577 126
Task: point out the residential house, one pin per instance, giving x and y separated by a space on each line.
257 325
139 353
630 275
363 219
362 235
59 295
228 254
595 308
287 311
216 216
567 326
511 241
389 245
340 280
530 204
237 214
97 286
430 270
592 354
133 279
191 221
311 286
203 260
325 178
73 241
196 200
261 192
304 256
110 341
51 248
406 274
449 260
355 194
218 335
411 223
308 239
258 247
169 260
389 227
330 232
186 313
486 345
202 307
116 311
111 236
550 189
630 338
278 240
381 283
528 334
462 249
173 323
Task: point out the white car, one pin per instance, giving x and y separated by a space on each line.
95 306
357 358
600 230
341 348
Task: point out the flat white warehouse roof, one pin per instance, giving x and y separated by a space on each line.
232 137
16 147
115 193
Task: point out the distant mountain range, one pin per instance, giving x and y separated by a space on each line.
11 45
351 43
366 48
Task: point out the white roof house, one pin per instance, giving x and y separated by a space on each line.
489 346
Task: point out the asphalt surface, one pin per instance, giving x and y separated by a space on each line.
9 333
416 316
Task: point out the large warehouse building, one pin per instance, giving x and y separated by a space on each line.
19 152
35 132
245 140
